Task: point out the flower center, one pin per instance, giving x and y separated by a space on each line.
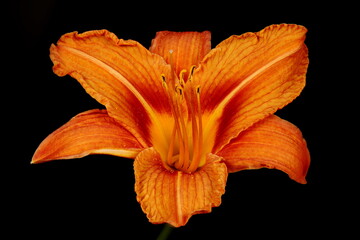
186 142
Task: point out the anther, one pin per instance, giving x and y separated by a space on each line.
163 78
181 78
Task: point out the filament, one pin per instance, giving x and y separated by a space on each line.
184 151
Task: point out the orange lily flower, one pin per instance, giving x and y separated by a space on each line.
186 113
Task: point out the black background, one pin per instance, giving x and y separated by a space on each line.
94 196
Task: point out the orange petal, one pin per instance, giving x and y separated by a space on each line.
270 143
122 75
189 48
172 196
248 77
91 132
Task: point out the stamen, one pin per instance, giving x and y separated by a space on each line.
200 120
183 138
180 91
180 154
163 78
194 124
198 138
192 68
181 78
176 128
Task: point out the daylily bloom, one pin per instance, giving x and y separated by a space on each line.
186 113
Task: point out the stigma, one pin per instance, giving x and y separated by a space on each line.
184 152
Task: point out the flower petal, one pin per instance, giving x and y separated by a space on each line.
122 75
189 48
91 132
248 77
174 196
270 143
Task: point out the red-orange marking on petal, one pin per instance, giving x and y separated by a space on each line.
122 75
247 77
